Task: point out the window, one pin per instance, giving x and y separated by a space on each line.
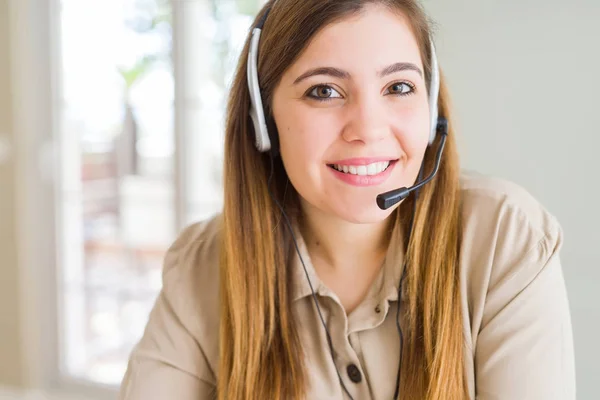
143 90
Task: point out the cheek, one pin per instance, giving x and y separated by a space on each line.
414 133
305 136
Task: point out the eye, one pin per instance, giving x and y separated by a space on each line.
401 89
323 93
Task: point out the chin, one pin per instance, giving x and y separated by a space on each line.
363 215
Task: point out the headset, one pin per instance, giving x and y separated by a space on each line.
264 143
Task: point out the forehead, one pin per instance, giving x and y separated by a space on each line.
364 42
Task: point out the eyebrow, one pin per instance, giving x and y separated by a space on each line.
399 66
341 74
329 71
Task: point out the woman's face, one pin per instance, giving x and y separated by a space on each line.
355 100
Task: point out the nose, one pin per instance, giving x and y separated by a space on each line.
368 120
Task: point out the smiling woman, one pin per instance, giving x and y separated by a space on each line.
454 293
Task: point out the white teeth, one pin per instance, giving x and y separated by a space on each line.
363 170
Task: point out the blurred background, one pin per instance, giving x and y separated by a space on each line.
111 131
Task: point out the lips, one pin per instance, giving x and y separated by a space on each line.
362 160
361 176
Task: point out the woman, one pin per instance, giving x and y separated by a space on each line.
305 287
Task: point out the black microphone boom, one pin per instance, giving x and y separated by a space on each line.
388 199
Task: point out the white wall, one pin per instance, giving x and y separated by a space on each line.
525 79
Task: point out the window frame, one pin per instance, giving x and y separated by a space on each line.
35 56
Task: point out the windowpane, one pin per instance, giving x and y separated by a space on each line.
213 33
118 157
117 192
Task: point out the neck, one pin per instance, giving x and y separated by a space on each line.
341 245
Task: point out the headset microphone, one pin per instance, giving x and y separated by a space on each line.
388 199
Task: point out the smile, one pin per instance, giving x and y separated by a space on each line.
362 170
372 174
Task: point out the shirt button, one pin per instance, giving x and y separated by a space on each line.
354 373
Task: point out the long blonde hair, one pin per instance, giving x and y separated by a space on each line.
260 351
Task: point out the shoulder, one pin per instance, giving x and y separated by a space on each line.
191 282
194 250
513 294
482 194
507 239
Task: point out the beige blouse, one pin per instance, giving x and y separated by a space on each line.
516 313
